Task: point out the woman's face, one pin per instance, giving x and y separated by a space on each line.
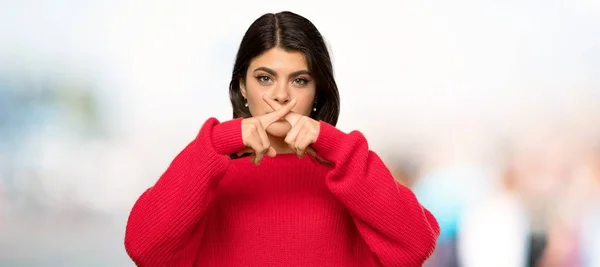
281 75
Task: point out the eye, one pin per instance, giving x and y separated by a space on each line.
300 81
264 79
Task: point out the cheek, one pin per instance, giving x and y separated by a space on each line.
256 105
303 107
254 100
305 104
254 95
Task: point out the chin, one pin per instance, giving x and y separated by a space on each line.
279 128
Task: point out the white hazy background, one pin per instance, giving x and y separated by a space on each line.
98 96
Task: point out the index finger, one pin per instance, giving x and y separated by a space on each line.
291 117
272 103
279 113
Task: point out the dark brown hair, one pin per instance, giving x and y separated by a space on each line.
291 32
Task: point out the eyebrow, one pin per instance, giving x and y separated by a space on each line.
272 72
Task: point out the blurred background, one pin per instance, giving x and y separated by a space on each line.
488 110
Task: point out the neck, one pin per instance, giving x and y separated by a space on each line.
278 143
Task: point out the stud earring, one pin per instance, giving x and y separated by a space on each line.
246 104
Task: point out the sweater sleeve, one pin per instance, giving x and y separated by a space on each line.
397 229
166 223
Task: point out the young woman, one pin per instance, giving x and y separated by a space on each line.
279 185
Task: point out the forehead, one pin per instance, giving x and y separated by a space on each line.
280 60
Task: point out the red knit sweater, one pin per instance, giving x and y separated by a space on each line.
210 210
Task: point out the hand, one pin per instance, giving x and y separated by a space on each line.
254 135
304 129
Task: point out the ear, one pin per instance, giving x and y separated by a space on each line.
243 88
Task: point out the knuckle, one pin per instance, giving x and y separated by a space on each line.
259 124
264 148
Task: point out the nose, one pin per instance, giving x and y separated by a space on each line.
281 94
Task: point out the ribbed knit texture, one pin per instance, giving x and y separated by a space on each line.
210 210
